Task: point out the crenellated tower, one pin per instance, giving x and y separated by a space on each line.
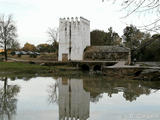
74 37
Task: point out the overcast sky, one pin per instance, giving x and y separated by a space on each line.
33 17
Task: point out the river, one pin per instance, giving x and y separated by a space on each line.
83 98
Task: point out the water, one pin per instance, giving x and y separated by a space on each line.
49 98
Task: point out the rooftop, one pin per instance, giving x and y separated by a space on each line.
106 49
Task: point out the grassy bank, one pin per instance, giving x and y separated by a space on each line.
8 68
26 69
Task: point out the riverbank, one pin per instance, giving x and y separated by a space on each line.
30 69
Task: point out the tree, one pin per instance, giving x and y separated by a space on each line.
99 37
14 45
112 38
149 49
46 48
29 47
132 37
7 32
53 35
43 47
53 38
143 7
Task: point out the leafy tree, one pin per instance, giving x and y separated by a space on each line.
99 37
132 37
7 32
43 47
29 47
149 49
47 47
112 38
137 41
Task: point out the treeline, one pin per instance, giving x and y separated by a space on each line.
143 45
49 48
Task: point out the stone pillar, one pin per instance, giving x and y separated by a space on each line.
129 57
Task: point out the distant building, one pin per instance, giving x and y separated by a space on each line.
74 101
74 37
107 53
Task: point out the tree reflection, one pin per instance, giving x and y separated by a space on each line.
8 101
97 86
53 95
73 96
73 100
131 89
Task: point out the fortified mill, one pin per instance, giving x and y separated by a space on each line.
75 46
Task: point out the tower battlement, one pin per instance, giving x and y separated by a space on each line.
74 20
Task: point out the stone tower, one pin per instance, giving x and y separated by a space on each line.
74 37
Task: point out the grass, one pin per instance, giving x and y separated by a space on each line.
44 56
12 69
21 68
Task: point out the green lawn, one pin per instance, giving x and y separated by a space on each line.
25 69
22 68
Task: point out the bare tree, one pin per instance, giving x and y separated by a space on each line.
14 45
53 34
53 38
7 32
143 7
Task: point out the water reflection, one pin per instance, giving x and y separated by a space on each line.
131 89
8 101
73 100
76 98
73 96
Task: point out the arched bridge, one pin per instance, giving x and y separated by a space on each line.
92 65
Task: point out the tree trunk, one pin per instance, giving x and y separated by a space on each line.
5 51
5 86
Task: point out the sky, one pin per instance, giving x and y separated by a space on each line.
34 17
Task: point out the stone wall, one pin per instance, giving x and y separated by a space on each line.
107 53
103 56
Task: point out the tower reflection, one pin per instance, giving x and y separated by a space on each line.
74 101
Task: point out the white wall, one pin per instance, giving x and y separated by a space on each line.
63 37
80 37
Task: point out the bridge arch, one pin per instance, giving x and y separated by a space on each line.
85 67
97 68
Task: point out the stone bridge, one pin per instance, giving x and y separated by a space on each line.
84 65
92 65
